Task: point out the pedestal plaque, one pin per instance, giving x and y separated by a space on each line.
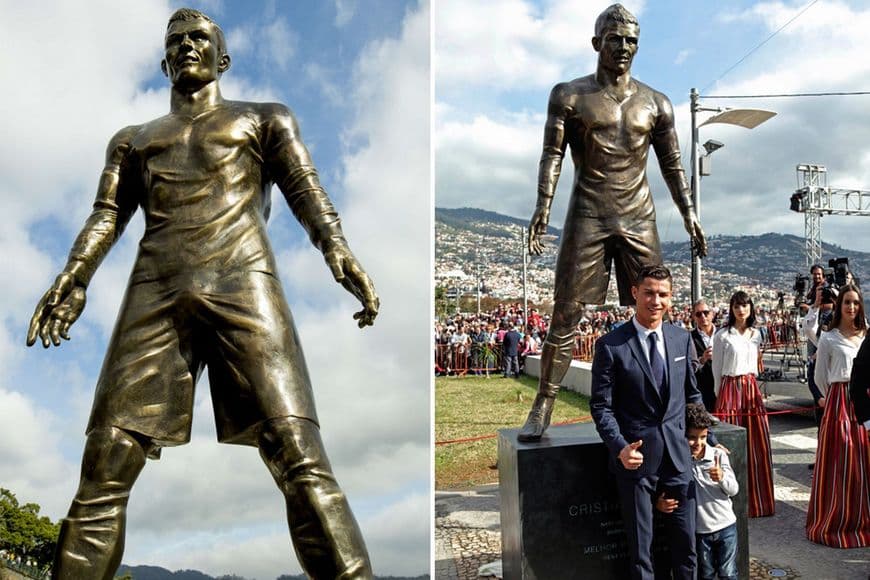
560 514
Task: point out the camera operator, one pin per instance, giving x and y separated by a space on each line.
817 319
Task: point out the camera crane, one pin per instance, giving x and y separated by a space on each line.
814 198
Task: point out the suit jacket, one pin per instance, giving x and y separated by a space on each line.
703 373
626 405
859 382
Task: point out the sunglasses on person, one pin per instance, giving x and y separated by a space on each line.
702 313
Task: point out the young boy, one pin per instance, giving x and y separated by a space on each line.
715 485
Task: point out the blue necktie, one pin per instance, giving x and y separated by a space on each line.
656 363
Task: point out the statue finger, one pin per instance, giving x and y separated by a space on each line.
64 329
54 331
44 331
364 318
35 323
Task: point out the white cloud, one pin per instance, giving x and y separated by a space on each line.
683 55
344 11
513 44
486 154
282 42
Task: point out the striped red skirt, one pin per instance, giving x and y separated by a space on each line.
740 403
839 510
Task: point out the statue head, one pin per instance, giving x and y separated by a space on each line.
615 40
613 15
195 49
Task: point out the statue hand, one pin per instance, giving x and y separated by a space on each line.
538 228
347 272
696 234
58 309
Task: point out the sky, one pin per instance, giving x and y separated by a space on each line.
494 69
357 76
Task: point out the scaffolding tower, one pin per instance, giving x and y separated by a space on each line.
814 198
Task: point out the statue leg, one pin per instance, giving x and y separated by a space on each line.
325 534
91 540
555 361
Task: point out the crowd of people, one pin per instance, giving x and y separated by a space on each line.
728 342
472 343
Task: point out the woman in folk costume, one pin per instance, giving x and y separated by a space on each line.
736 358
839 510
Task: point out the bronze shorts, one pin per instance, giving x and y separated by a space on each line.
590 245
168 330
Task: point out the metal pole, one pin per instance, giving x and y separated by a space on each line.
525 259
696 193
478 289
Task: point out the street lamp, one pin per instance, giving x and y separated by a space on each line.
748 118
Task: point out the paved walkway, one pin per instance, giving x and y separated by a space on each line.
467 522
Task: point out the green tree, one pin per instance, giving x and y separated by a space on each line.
440 302
23 531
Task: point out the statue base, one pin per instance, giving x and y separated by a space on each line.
560 513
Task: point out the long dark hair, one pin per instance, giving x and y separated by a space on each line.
860 321
740 298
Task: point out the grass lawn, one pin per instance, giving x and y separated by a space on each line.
475 406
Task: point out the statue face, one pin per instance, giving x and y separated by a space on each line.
617 46
192 58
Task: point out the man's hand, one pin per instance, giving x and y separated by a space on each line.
537 229
696 234
58 309
822 402
347 272
716 472
707 355
630 457
665 505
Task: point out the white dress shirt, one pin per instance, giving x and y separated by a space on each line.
810 325
734 354
643 334
834 358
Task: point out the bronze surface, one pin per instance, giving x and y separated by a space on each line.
204 293
609 120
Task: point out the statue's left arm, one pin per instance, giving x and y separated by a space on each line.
667 149
290 167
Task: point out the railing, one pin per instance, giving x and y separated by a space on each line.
22 568
483 359
459 360
775 336
584 347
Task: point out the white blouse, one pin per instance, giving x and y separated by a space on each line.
834 358
734 354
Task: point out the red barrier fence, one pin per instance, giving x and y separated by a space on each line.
775 336
456 359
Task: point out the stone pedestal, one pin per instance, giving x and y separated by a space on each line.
560 515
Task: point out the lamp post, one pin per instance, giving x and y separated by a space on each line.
524 242
748 118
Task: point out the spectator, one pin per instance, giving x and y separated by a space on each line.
510 352
702 338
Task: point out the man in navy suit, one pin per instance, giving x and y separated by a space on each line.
641 381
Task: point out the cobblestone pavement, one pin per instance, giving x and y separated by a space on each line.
467 522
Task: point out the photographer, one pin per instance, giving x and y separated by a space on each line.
817 319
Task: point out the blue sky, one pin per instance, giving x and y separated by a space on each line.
356 75
489 108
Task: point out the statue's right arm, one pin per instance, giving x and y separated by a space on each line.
550 166
115 203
